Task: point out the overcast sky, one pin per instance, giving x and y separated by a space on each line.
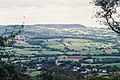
47 11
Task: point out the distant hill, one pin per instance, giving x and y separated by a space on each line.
61 25
46 25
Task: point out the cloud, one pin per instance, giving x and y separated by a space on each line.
42 3
46 11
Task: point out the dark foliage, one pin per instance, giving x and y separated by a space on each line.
11 72
8 70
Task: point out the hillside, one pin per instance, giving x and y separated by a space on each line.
68 43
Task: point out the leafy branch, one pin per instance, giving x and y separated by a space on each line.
108 10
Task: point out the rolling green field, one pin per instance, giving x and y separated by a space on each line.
62 41
80 41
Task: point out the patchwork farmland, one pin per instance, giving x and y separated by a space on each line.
80 45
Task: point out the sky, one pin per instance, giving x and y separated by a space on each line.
47 12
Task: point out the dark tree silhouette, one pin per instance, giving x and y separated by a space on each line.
8 70
107 9
8 40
